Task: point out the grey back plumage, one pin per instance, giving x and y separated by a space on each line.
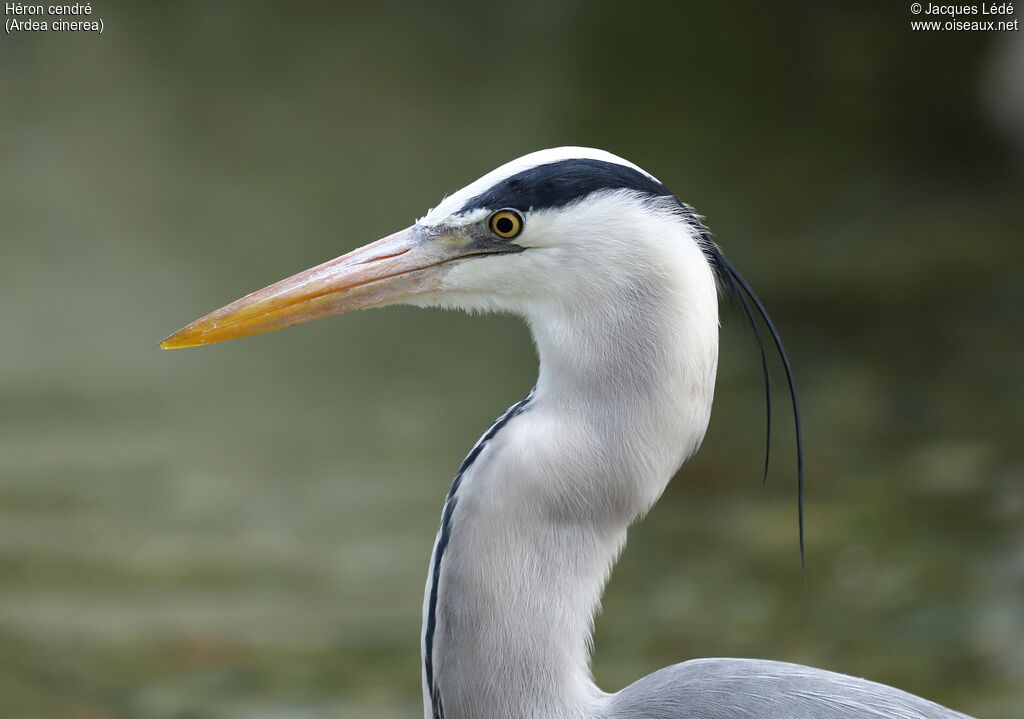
761 689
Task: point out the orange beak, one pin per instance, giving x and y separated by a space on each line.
400 265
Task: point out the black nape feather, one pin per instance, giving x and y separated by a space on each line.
737 287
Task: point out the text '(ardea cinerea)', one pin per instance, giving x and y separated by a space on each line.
618 281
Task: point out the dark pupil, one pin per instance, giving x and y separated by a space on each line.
504 225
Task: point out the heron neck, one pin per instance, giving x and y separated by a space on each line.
538 519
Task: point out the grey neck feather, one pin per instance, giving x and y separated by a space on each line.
541 515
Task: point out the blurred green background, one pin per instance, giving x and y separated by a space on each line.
243 530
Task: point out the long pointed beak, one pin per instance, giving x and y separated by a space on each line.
400 265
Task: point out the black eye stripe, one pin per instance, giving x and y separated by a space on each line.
557 184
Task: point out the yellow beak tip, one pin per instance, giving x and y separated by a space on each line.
176 342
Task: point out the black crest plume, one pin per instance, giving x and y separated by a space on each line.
737 286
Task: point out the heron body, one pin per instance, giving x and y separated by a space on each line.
617 281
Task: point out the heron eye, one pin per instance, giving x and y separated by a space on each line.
506 224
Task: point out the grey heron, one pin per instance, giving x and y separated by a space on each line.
618 281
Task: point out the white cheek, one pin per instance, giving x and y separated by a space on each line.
478 284
502 283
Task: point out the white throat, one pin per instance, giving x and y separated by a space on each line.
534 524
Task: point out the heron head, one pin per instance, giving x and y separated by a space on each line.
569 232
565 227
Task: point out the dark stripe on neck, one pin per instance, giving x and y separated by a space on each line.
442 544
557 184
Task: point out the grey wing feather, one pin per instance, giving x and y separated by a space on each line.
761 689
